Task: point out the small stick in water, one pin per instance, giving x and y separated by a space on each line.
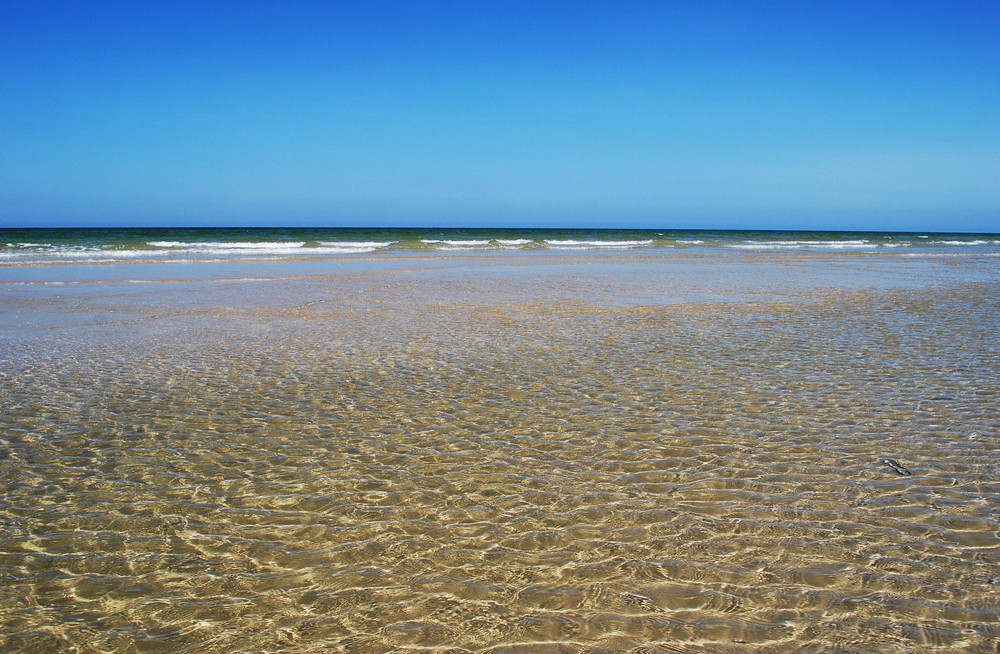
894 464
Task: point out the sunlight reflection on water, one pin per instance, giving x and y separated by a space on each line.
476 461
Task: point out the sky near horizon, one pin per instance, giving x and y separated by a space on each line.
715 114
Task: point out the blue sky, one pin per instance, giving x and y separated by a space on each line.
838 115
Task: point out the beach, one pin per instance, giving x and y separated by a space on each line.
596 449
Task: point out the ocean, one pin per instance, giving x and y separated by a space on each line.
221 440
176 244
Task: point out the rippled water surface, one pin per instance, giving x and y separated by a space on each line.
490 462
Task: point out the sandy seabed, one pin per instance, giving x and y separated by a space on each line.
502 454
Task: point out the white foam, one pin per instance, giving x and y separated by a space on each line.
230 245
796 245
976 242
357 244
271 247
514 241
168 251
594 245
470 243
696 241
949 255
80 252
337 249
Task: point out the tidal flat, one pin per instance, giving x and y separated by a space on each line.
502 453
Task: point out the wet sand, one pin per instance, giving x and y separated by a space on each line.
502 454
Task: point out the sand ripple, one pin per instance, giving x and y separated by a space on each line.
524 478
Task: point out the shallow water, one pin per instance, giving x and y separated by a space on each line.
491 461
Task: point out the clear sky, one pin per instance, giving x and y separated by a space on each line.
694 113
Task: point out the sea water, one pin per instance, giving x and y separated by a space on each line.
545 442
187 244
